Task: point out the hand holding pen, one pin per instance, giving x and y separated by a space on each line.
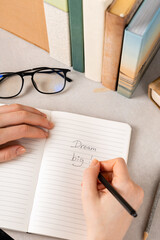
106 218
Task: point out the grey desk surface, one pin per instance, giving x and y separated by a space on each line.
144 117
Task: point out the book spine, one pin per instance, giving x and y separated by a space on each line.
129 60
94 18
125 89
114 29
58 33
131 49
76 33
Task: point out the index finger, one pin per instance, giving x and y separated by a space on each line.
117 166
18 107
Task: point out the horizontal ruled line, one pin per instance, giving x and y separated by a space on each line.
42 226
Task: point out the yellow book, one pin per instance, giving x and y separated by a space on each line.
122 7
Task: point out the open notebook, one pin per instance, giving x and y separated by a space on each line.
41 190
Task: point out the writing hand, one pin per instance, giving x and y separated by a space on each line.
18 121
105 217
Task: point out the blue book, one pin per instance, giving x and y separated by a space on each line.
141 42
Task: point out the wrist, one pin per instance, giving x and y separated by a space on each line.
92 237
103 235
96 236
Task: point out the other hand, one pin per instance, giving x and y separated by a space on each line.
19 121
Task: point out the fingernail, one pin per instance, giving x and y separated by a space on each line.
93 163
44 115
51 124
20 150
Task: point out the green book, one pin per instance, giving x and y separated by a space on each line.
61 4
76 33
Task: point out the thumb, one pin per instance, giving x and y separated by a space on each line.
9 153
89 188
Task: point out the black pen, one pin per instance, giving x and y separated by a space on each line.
121 200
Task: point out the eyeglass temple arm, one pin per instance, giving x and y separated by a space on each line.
68 79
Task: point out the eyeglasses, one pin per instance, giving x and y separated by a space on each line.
45 80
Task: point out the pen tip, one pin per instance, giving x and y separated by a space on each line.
134 214
145 235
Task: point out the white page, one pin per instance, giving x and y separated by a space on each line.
57 209
18 180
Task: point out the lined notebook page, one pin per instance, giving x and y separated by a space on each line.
18 180
73 143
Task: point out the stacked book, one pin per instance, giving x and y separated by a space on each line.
113 42
132 37
141 42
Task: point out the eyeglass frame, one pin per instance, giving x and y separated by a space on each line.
33 71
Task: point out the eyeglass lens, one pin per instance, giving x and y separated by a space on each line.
10 86
49 82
